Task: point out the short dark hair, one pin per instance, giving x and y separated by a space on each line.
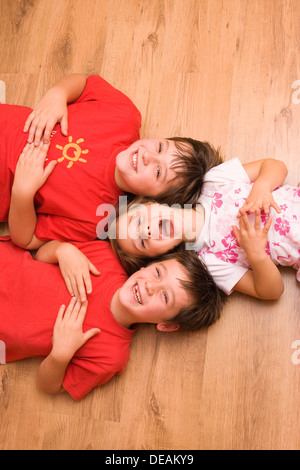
207 299
193 159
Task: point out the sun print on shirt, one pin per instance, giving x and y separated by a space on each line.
72 152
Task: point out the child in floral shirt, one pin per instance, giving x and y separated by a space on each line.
272 234
244 259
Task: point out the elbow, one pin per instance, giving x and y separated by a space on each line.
50 390
21 243
275 294
24 246
279 291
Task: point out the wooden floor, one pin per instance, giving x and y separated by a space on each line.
217 70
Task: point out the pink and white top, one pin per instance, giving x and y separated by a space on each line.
225 190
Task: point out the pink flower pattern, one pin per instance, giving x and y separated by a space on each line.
223 197
282 226
216 202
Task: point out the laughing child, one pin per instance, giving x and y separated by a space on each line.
84 346
89 158
244 225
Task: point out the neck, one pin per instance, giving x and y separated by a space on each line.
193 220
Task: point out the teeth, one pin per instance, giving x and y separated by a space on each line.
136 294
134 159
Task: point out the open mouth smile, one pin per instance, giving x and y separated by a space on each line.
134 160
166 229
137 294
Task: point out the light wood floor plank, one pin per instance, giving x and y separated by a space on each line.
216 70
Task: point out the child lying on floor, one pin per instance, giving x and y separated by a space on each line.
242 227
91 343
90 158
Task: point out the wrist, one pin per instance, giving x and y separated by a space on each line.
58 92
60 249
22 194
257 257
59 357
263 183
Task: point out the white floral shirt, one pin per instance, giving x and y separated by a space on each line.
225 190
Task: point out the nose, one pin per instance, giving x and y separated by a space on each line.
145 232
151 287
148 157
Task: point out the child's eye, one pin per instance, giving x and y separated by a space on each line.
143 243
157 272
159 147
158 171
165 297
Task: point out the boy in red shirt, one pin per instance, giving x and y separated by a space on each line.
90 344
96 156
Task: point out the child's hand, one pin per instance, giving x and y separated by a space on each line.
252 238
30 174
75 269
51 109
260 197
68 334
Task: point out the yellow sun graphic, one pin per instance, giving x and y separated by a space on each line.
76 151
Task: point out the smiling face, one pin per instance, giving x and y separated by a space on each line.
145 167
150 229
152 295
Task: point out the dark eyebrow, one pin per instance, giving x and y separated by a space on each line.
166 274
166 142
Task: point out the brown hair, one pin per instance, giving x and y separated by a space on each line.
130 262
207 299
193 160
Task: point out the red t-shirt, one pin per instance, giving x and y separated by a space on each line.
31 293
102 123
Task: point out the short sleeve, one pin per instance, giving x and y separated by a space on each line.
98 89
226 275
229 171
84 374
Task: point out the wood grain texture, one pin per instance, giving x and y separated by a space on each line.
216 70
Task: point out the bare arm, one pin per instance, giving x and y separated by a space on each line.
22 222
53 108
266 176
30 175
264 280
75 267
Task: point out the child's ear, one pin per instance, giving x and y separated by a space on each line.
167 327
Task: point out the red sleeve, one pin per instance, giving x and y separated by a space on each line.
98 89
83 375
54 227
